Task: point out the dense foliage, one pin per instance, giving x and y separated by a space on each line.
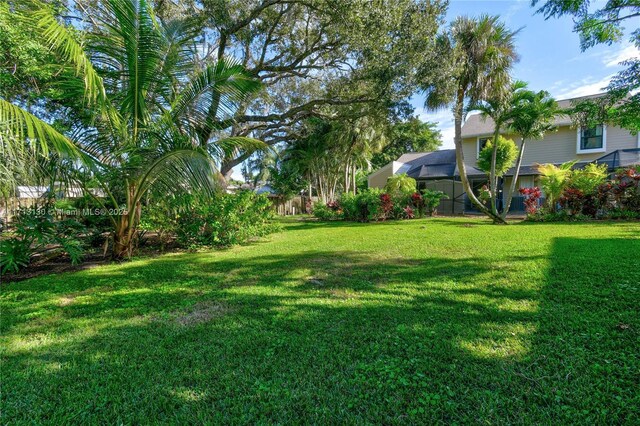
411 135
400 184
506 154
215 221
374 205
585 194
38 233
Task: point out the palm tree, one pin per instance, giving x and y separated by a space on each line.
360 139
151 102
500 111
532 115
479 54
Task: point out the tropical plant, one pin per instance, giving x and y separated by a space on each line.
533 115
497 159
400 184
432 200
477 55
153 108
554 180
531 199
500 110
38 233
589 178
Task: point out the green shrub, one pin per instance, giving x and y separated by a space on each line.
323 212
37 232
15 254
505 156
588 179
432 200
554 180
219 220
400 184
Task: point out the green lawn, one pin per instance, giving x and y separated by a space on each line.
425 321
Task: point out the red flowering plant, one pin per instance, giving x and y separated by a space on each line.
531 199
418 202
573 201
386 204
408 211
622 193
629 188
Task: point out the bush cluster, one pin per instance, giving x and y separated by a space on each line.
217 221
374 205
588 194
37 232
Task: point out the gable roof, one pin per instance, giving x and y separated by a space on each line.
476 125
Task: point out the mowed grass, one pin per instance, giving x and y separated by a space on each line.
425 321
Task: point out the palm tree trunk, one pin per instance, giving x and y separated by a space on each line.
493 179
462 169
514 181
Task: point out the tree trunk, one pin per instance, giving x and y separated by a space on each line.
353 175
122 239
127 228
514 181
346 178
493 180
462 169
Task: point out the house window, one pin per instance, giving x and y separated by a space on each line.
482 142
592 139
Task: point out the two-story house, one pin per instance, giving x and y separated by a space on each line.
612 145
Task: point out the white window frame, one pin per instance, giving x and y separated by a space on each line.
478 144
589 151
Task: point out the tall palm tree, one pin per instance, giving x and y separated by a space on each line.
151 102
500 111
477 55
532 115
358 140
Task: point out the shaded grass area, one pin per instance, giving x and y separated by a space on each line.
436 321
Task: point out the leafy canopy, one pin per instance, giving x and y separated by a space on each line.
506 155
411 135
400 184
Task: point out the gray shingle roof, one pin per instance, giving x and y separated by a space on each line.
430 165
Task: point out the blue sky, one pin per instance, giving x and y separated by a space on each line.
550 56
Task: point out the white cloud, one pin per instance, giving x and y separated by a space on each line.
448 133
584 87
444 119
628 52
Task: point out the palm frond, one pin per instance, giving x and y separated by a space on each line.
232 144
20 129
213 94
135 32
63 41
186 168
